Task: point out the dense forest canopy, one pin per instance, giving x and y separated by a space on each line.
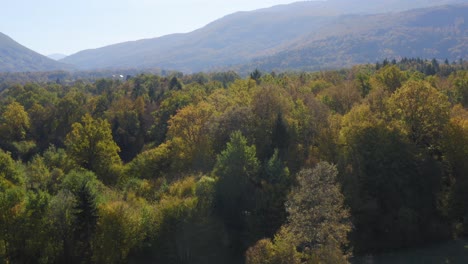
214 168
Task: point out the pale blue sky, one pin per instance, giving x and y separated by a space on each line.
68 26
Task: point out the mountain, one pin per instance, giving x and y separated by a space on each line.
385 6
16 58
243 37
437 32
234 39
56 56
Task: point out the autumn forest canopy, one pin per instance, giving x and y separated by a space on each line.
299 167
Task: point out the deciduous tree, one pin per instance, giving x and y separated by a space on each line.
15 122
91 146
318 217
422 110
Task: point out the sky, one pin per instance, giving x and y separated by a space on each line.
69 26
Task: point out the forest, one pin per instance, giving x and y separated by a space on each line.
298 167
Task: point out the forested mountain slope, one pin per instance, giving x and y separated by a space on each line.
231 40
241 37
16 58
439 32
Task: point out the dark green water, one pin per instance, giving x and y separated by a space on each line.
453 252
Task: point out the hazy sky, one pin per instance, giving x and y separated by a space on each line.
68 26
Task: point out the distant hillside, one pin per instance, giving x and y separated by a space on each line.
245 36
439 32
236 38
17 58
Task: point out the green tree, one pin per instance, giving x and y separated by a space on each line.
91 146
151 164
309 119
8 169
12 207
86 217
460 81
256 75
390 78
22 213
172 102
37 174
455 149
38 247
391 188
127 126
187 232
119 230
223 125
61 217
175 84
237 168
69 110
280 136
363 83
270 105
271 194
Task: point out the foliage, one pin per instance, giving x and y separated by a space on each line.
8 170
423 111
281 250
226 170
152 163
237 167
119 230
317 217
189 132
455 149
15 122
86 216
91 146
390 78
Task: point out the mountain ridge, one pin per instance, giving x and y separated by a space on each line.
301 35
15 57
438 32
239 38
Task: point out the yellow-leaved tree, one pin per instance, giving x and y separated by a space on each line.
91 146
